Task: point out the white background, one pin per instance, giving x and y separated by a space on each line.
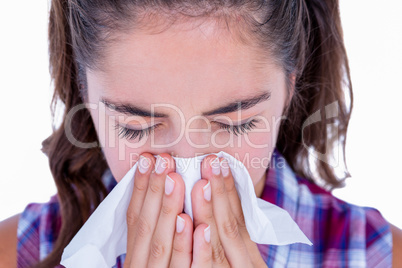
373 37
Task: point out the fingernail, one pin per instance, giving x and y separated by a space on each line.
144 164
207 191
207 234
160 165
215 166
225 167
169 185
180 222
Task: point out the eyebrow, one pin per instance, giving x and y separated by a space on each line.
234 106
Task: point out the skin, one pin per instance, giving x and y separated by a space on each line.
145 69
142 69
152 215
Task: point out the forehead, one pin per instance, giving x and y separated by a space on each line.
203 63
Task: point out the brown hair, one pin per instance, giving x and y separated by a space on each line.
305 37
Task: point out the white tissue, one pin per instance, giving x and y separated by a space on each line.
103 237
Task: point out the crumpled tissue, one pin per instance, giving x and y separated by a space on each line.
103 237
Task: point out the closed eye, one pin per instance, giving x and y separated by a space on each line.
131 134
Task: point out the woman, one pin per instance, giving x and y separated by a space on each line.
259 71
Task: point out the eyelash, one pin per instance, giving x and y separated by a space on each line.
131 134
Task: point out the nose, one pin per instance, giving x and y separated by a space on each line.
196 139
191 144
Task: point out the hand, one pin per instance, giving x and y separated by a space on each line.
216 203
152 238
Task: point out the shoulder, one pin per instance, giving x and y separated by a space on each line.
38 228
335 227
344 226
397 246
342 214
8 241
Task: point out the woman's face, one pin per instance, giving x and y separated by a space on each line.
183 77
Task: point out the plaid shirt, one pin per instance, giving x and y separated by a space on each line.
343 235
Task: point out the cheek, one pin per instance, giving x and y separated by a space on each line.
120 166
258 147
118 152
256 155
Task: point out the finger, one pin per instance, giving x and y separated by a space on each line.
150 210
141 178
183 240
202 252
202 213
228 230
172 205
237 211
